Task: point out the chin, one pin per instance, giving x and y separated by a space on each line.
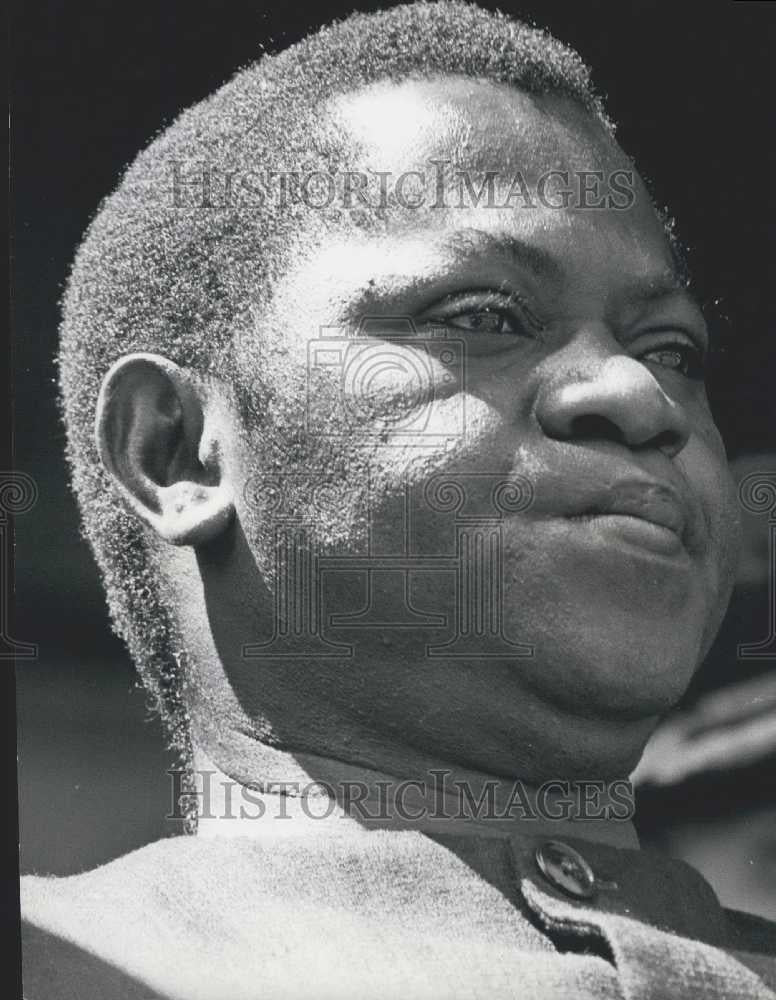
619 643
637 679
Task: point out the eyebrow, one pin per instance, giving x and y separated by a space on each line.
647 290
459 248
545 265
466 242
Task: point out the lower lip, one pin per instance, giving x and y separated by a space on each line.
636 531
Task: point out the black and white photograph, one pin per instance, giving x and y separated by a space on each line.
388 522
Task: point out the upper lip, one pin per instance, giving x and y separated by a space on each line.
650 500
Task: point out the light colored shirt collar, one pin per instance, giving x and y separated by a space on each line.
352 801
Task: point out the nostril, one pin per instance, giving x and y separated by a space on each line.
669 442
593 426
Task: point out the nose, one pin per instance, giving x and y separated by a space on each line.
618 399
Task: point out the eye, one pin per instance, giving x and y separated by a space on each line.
682 357
486 320
489 312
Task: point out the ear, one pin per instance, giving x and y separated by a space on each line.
149 431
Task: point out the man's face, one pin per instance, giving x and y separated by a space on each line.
554 349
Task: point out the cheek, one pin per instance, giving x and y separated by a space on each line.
350 491
706 469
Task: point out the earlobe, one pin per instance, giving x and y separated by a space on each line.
149 429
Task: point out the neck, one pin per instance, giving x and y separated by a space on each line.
279 794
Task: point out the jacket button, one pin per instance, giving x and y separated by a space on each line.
566 869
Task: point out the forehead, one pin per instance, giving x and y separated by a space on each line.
473 127
476 126
476 123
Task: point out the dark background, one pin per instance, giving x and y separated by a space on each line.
690 85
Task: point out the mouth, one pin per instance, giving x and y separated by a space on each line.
636 531
649 515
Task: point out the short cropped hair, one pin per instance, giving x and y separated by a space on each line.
174 279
